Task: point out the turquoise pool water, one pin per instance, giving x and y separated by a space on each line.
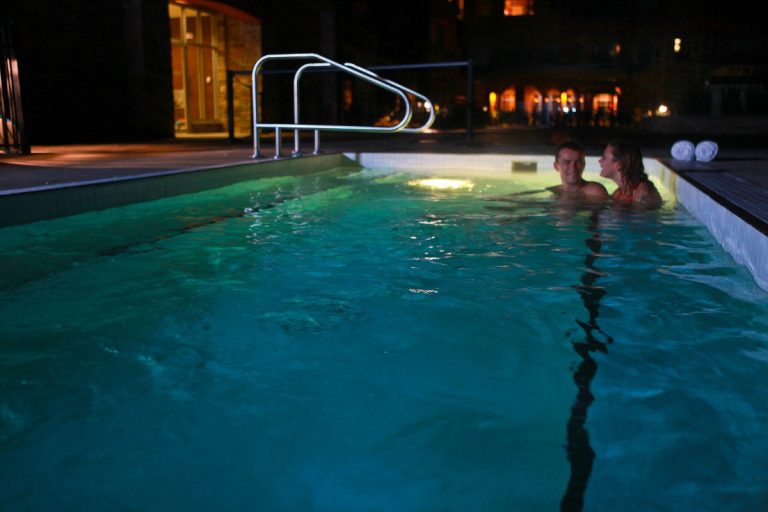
351 341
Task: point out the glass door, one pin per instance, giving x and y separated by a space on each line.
194 60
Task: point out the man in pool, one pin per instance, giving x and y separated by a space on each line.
569 162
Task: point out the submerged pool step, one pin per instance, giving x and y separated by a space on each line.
52 202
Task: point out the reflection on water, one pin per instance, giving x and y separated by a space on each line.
358 344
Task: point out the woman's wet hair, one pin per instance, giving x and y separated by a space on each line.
630 159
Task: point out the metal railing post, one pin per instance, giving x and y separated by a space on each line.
255 109
470 100
296 80
230 106
427 103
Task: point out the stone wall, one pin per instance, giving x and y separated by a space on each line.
241 50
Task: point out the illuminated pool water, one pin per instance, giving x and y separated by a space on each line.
354 341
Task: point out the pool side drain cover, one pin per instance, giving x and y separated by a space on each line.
523 166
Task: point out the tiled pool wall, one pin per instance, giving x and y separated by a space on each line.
488 165
50 202
747 245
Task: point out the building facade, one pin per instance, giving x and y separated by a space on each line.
147 69
600 63
129 69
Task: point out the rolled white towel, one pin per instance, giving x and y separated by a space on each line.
683 150
706 151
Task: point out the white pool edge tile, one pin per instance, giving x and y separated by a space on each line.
747 245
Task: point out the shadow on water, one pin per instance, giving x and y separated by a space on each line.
581 456
580 453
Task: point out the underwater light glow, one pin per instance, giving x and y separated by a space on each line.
442 184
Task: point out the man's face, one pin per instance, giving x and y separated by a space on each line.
570 165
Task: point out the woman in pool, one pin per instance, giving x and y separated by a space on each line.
622 162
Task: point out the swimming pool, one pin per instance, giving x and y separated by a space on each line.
360 340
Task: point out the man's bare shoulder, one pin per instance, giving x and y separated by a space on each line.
595 190
556 189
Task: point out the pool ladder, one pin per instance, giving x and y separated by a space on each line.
349 68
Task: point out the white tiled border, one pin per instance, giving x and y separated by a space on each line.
747 245
452 164
487 165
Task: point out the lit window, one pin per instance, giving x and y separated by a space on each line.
493 99
508 100
678 44
518 7
604 102
347 98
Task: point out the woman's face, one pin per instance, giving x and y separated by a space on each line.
609 166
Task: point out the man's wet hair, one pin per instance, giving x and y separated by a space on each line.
569 144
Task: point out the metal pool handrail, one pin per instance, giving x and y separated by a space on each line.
297 77
296 126
427 103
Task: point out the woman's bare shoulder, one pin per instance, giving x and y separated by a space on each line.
646 194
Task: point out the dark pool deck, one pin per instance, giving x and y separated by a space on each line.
737 178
